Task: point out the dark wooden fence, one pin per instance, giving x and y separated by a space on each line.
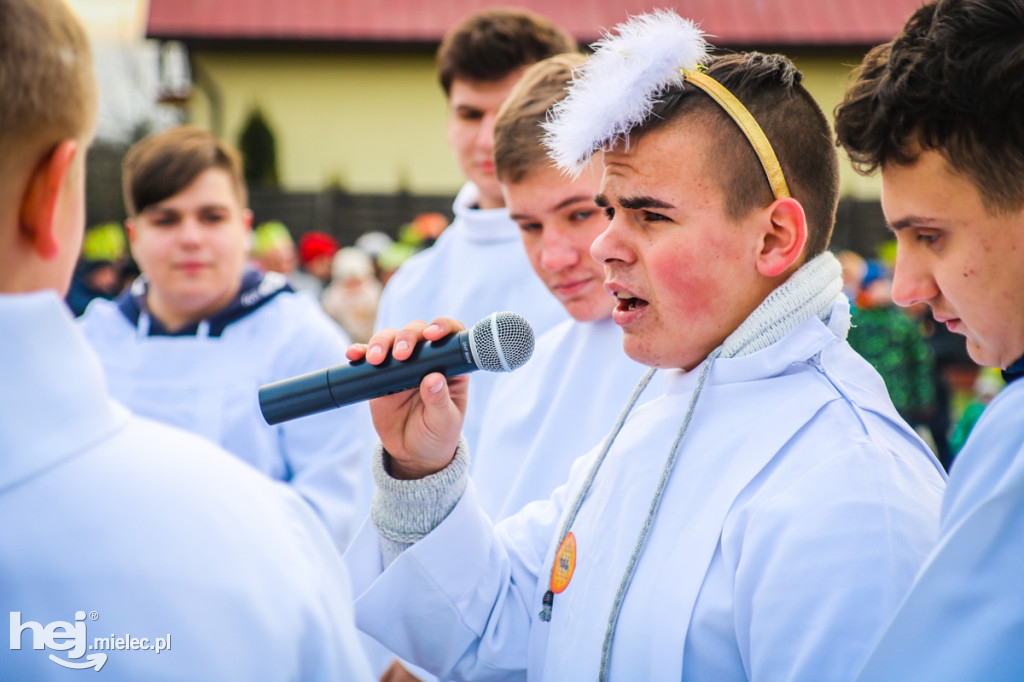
344 216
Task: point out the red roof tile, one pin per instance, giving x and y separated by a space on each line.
732 22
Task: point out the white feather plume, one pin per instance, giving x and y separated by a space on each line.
616 89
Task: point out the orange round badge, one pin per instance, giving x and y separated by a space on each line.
565 564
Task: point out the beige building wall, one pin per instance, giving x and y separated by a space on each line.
375 123
117 21
371 123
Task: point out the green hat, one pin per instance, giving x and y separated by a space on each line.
395 255
105 242
269 235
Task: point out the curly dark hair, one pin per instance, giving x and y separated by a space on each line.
490 44
952 82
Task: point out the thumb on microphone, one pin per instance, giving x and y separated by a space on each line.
444 407
433 417
434 387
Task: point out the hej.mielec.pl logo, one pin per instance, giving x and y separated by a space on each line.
73 638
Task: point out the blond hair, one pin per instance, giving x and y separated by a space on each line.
517 130
47 86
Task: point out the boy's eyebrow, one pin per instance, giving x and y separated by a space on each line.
642 202
157 208
573 199
909 221
561 204
633 203
162 208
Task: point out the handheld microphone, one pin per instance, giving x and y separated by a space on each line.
501 342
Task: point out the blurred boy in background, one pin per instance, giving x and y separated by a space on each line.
477 265
199 332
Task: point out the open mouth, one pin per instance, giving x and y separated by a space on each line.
627 302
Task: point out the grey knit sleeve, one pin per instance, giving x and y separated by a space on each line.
405 511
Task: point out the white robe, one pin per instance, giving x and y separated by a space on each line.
542 416
963 618
152 530
209 385
476 267
797 514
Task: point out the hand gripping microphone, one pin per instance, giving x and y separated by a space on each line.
501 342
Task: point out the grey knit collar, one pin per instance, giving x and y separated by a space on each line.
810 291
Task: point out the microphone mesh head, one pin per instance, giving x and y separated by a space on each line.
502 342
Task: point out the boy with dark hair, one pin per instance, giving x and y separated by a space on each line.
198 332
200 567
166 163
542 416
477 266
938 111
757 519
489 45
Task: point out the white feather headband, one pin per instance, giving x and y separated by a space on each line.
619 85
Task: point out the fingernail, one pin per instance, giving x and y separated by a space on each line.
375 351
401 345
436 388
432 328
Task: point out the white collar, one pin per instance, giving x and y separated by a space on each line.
481 224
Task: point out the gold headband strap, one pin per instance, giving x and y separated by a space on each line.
745 120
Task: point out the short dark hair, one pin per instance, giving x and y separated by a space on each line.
517 129
489 45
952 81
164 163
769 86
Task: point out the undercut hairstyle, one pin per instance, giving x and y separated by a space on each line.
770 87
953 82
165 163
47 86
491 44
517 130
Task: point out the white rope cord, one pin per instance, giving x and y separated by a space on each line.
545 613
641 541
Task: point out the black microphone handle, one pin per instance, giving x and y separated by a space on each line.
342 385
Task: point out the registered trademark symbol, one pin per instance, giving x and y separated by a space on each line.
93 615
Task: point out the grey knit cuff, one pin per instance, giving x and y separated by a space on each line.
405 511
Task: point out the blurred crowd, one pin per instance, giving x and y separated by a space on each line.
933 383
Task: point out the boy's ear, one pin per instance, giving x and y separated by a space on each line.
37 215
782 243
